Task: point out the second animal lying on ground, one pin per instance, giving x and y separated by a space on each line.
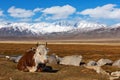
74 60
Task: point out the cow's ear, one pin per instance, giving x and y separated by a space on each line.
33 49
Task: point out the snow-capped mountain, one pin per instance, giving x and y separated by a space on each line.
84 26
64 23
87 26
59 29
36 28
49 27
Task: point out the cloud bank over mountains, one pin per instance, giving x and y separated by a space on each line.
108 11
65 12
20 13
59 12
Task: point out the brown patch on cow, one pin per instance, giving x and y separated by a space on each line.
26 60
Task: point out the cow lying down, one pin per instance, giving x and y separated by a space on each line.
34 59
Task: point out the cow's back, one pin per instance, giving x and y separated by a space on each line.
26 60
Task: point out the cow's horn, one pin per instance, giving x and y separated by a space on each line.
37 44
46 44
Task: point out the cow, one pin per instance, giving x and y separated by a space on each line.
31 60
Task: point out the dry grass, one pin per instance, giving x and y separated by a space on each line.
8 69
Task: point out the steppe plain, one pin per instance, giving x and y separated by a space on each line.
89 49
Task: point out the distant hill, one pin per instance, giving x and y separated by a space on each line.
58 30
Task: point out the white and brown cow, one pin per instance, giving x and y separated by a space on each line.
31 60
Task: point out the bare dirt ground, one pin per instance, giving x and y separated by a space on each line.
90 51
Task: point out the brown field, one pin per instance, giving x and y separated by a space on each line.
89 51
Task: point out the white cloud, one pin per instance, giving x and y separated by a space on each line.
20 13
37 10
25 19
1 13
59 12
38 19
108 11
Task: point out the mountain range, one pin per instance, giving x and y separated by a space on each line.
58 30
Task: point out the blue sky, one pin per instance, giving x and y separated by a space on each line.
102 11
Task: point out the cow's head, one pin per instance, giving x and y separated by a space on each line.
41 54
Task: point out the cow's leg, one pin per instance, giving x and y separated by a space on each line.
31 69
21 67
25 70
40 67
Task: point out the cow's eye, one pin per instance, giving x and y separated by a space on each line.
40 53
